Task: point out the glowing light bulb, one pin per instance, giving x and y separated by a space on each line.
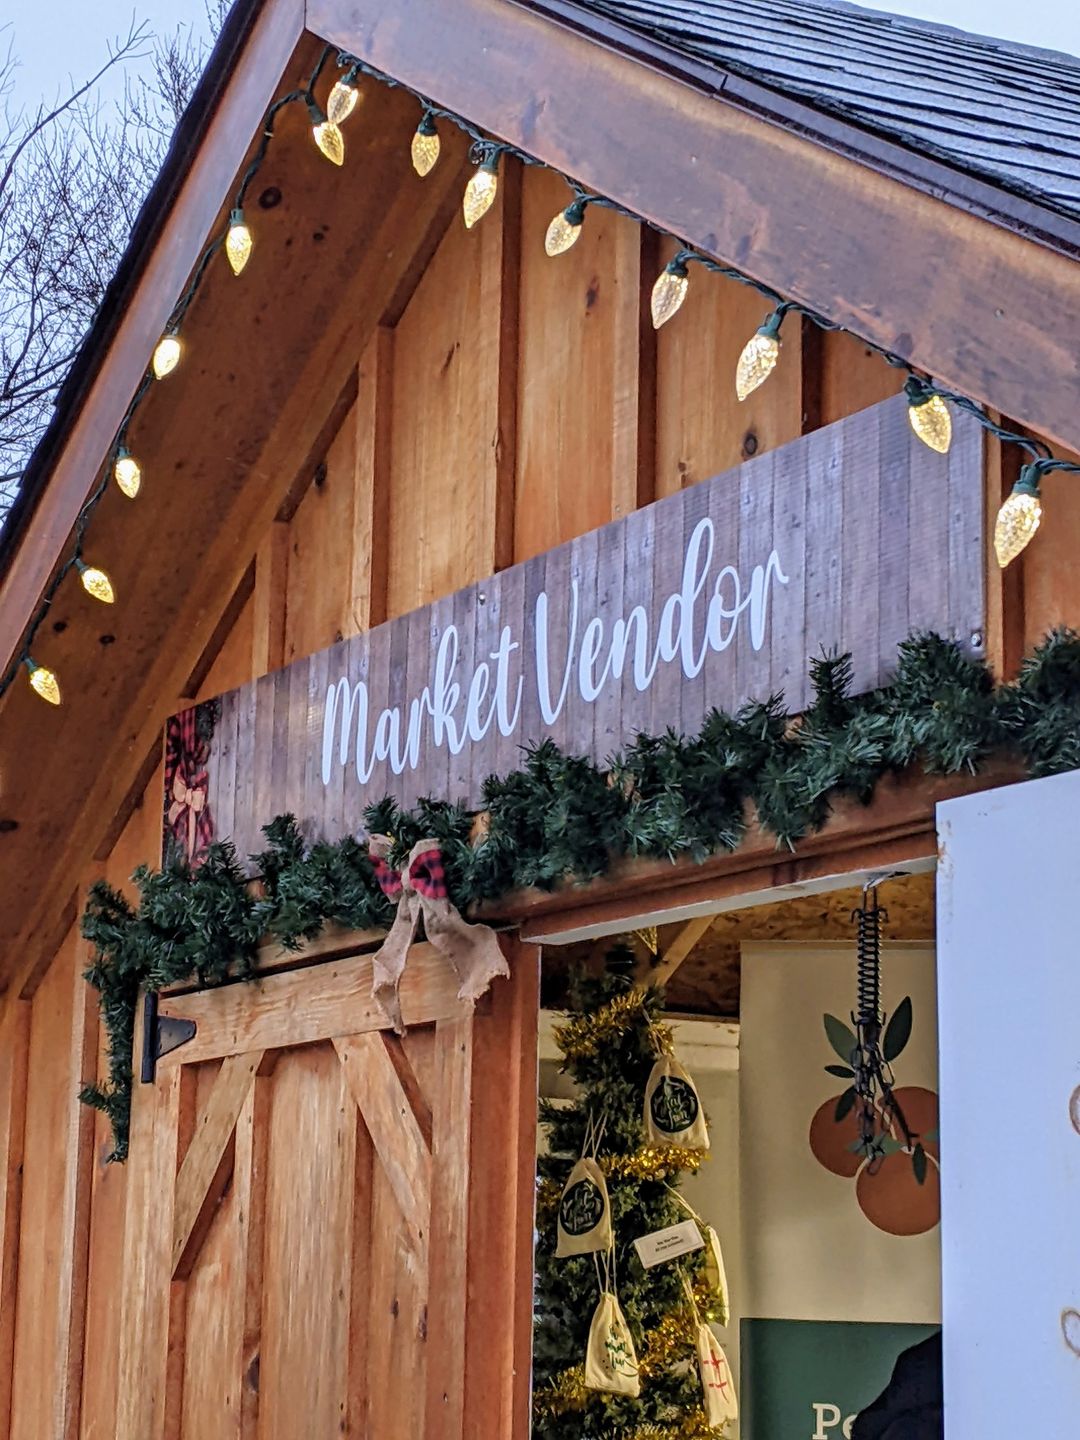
759 356
167 355
96 583
330 141
341 101
669 292
481 191
44 682
565 228
425 147
929 416
1019 517
126 472
238 242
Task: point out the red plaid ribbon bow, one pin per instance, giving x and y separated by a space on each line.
420 890
425 870
187 815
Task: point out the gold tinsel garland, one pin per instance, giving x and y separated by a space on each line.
651 1162
582 1036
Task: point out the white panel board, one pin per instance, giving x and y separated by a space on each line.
1009 1021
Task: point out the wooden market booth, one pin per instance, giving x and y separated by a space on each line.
385 410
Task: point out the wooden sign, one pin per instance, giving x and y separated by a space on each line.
848 539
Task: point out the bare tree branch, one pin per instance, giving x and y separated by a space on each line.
73 175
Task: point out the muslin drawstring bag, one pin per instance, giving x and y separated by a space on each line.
718 1397
584 1223
610 1361
673 1113
712 1271
717 1387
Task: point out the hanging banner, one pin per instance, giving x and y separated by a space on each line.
848 539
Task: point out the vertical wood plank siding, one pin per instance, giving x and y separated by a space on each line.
504 403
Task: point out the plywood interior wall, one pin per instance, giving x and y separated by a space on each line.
506 403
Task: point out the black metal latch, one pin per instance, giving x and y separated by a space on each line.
161 1034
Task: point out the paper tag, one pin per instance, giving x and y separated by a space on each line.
668 1244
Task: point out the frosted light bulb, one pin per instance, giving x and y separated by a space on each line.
480 192
126 472
44 682
1019 517
929 416
96 583
759 357
167 355
341 101
425 147
238 242
564 229
330 141
669 292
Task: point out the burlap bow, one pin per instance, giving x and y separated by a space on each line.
191 799
420 889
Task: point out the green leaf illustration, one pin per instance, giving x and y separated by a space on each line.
898 1030
844 1105
841 1038
918 1164
844 1072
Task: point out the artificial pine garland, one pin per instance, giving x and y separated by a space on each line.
561 819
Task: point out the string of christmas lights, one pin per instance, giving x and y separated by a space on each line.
928 403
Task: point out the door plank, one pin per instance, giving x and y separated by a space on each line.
206 1168
304 1362
249 1190
502 1189
144 1316
395 1132
451 1134
302 1006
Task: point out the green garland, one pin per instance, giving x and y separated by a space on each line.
561 819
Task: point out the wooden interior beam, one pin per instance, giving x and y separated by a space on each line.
896 264
660 972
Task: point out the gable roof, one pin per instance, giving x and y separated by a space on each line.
1006 112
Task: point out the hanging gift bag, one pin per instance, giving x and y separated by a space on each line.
715 1275
584 1223
673 1113
584 1212
713 1271
717 1387
610 1361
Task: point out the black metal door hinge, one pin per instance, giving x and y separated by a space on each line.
161 1034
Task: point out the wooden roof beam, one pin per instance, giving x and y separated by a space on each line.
983 308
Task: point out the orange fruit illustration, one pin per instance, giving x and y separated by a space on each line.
920 1107
831 1139
892 1199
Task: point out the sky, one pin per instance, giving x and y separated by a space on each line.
66 38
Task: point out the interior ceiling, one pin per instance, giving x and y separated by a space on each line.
707 981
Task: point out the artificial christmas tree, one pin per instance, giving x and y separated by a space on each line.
611 1045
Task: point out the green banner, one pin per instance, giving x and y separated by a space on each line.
808 1379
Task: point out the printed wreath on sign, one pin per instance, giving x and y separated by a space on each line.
898 1189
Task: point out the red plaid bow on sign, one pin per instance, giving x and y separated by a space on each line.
187 815
420 890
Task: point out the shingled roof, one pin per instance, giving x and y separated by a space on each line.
1006 112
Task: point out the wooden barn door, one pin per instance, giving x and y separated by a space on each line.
329 1229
